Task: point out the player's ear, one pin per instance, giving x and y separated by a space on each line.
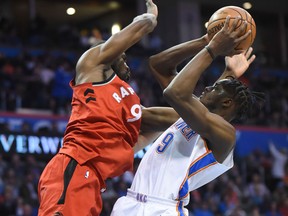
227 102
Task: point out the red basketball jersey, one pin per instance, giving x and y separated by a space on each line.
103 126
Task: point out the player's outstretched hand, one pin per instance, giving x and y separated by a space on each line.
238 64
224 42
151 7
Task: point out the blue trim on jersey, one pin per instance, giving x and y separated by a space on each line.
184 190
202 163
180 208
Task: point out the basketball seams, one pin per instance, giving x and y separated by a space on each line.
217 20
237 12
251 23
231 19
250 28
233 9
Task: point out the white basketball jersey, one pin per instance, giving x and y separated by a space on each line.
178 162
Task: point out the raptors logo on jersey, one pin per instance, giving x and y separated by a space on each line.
104 116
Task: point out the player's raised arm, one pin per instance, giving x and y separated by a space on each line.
157 118
124 39
200 116
164 64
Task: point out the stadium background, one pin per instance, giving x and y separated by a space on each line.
39 46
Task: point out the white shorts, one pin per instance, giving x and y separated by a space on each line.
136 204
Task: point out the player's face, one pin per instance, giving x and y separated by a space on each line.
121 68
212 94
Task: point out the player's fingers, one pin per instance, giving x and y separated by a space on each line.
239 30
226 24
243 37
243 27
236 52
251 59
234 24
248 52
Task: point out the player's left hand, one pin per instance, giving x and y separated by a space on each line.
151 7
238 64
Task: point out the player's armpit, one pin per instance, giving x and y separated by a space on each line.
144 139
157 118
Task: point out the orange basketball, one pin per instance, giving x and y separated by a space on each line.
217 20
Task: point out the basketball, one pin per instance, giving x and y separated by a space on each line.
217 20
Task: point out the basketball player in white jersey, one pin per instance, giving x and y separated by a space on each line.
198 147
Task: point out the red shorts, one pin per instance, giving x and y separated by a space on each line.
68 189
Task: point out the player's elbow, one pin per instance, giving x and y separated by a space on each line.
171 95
155 63
148 22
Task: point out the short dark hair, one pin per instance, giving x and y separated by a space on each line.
245 99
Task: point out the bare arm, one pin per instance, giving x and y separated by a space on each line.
144 139
219 132
164 64
118 43
274 151
157 118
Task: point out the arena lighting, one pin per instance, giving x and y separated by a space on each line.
115 28
247 5
114 5
70 11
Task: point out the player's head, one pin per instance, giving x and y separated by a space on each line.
121 68
119 65
231 99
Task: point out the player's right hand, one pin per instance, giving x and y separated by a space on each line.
151 7
224 42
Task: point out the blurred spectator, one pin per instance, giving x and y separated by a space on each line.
258 192
273 210
237 211
25 209
95 37
284 206
203 210
8 205
254 211
28 190
61 91
278 167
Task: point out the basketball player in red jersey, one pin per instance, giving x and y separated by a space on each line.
103 126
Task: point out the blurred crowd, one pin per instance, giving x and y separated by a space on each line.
35 72
257 185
